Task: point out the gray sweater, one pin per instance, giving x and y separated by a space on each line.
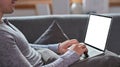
15 51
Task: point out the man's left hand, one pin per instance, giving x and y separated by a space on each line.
63 47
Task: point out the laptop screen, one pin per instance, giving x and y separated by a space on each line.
97 31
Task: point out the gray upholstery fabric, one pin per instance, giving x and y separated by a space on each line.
109 59
73 25
54 34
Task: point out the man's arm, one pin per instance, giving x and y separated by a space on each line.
12 56
53 47
72 55
60 48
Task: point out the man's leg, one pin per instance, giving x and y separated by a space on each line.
107 60
48 56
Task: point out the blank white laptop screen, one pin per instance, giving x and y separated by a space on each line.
97 31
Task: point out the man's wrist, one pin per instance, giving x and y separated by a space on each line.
53 47
59 49
70 57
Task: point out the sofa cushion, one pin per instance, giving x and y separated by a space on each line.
54 34
108 59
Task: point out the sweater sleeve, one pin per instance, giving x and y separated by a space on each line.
53 47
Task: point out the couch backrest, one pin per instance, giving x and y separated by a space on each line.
73 25
34 26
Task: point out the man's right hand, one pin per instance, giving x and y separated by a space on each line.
79 48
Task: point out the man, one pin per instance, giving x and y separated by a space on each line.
15 51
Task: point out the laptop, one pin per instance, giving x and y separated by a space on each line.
97 33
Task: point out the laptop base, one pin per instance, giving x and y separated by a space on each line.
92 52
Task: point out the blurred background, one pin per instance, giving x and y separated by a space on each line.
56 7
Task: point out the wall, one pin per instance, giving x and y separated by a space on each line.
114 9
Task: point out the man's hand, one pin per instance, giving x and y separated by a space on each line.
63 47
79 48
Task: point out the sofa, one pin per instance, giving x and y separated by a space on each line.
73 26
